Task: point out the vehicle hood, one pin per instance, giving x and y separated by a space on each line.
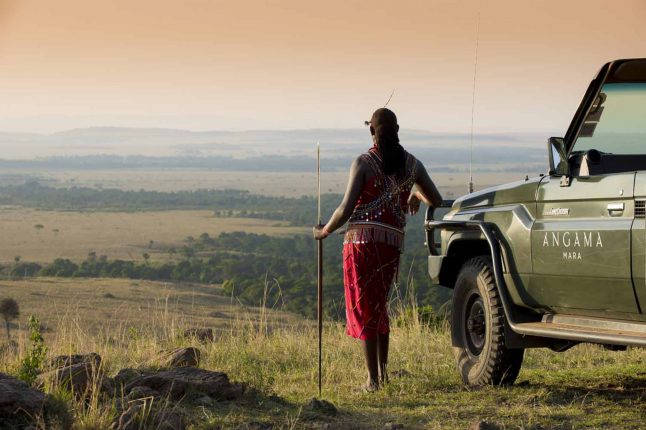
513 192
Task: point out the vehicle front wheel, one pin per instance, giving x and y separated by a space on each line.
478 328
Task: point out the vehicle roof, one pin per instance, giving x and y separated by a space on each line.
626 71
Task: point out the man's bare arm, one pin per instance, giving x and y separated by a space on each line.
426 189
352 193
345 209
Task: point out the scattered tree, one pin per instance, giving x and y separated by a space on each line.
16 261
39 227
25 270
188 251
9 310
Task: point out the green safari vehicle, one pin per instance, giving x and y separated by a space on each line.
558 259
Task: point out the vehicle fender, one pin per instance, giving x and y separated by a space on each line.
461 246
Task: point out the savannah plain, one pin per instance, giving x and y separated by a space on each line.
271 351
42 236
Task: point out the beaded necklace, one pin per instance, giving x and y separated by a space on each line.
383 218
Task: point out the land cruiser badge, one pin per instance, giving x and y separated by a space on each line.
557 212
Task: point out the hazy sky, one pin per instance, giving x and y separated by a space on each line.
244 64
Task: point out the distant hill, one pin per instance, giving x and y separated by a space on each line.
113 147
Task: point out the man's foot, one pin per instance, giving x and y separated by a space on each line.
367 388
370 386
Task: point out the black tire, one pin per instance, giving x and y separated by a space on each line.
478 328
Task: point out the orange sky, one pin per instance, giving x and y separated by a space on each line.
201 64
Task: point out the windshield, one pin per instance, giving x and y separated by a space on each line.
616 123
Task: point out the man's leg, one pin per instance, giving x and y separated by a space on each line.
370 352
382 347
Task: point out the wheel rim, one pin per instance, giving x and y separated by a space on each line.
474 324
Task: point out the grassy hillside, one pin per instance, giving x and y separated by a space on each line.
103 307
585 387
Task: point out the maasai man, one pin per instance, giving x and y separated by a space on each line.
378 197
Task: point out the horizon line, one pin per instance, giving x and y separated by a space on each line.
263 130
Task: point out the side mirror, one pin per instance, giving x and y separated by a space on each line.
558 156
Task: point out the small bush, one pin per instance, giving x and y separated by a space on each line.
36 355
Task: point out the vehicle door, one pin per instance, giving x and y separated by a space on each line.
581 244
584 234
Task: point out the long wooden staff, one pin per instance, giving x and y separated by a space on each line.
320 263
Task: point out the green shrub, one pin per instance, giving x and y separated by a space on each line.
35 357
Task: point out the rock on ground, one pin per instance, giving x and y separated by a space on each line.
124 375
137 417
78 378
70 360
205 401
130 418
180 382
170 420
17 398
142 393
180 357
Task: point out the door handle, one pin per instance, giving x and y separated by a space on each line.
615 209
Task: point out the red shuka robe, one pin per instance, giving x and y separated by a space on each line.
372 246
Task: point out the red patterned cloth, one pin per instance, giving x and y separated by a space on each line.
372 246
368 272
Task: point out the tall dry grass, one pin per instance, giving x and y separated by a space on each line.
278 364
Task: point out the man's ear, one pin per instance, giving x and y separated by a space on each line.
397 128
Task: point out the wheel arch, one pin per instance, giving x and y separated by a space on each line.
460 249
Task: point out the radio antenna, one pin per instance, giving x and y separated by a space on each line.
473 98
389 98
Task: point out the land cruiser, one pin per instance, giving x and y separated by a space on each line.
558 259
